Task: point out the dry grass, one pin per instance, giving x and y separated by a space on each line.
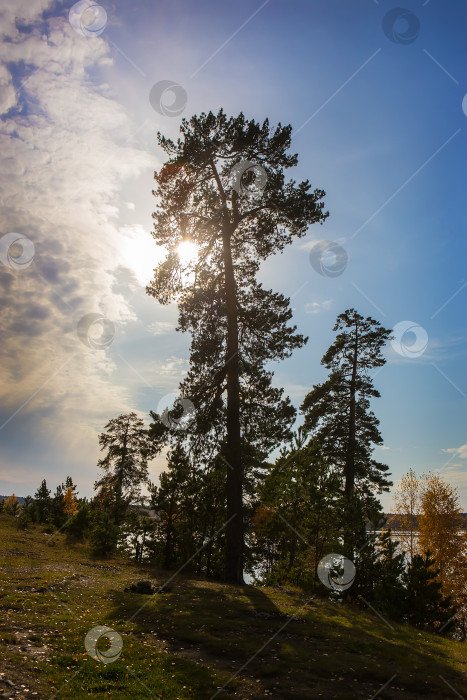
190 642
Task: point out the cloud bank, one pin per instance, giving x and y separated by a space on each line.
67 147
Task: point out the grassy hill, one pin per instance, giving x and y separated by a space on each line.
201 636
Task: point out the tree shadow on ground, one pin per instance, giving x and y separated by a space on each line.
286 648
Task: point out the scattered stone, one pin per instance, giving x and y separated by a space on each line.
143 587
146 588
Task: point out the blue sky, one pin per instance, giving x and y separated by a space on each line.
378 124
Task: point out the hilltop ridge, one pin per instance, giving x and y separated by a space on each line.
199 637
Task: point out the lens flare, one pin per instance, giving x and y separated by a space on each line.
187 252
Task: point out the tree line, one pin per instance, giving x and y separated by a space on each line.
296 507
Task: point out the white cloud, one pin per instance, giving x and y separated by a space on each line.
460 452
296 392
66 148
173 366
24 10
317 307
161 327
140 253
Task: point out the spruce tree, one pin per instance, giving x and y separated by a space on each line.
27 513
42 503
104 533
58 515
78 526
388 591
425 604
71 485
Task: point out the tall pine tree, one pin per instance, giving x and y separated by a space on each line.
223 191
339 420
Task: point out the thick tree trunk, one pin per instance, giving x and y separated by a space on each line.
170 531
350 457
234 486
119 484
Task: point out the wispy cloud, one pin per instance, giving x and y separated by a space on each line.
161 327
66 147
460 452
317 307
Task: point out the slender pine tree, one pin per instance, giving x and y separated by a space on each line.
338 419
223 191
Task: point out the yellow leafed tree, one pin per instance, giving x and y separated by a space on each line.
440 531
11 504
70 504
407 504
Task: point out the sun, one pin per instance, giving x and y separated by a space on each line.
187 252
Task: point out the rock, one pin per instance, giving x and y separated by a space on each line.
144 587
147 588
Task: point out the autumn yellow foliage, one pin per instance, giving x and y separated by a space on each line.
11 504
70 504
407 504
430 518
441 531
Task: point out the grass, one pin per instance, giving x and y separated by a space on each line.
200 637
